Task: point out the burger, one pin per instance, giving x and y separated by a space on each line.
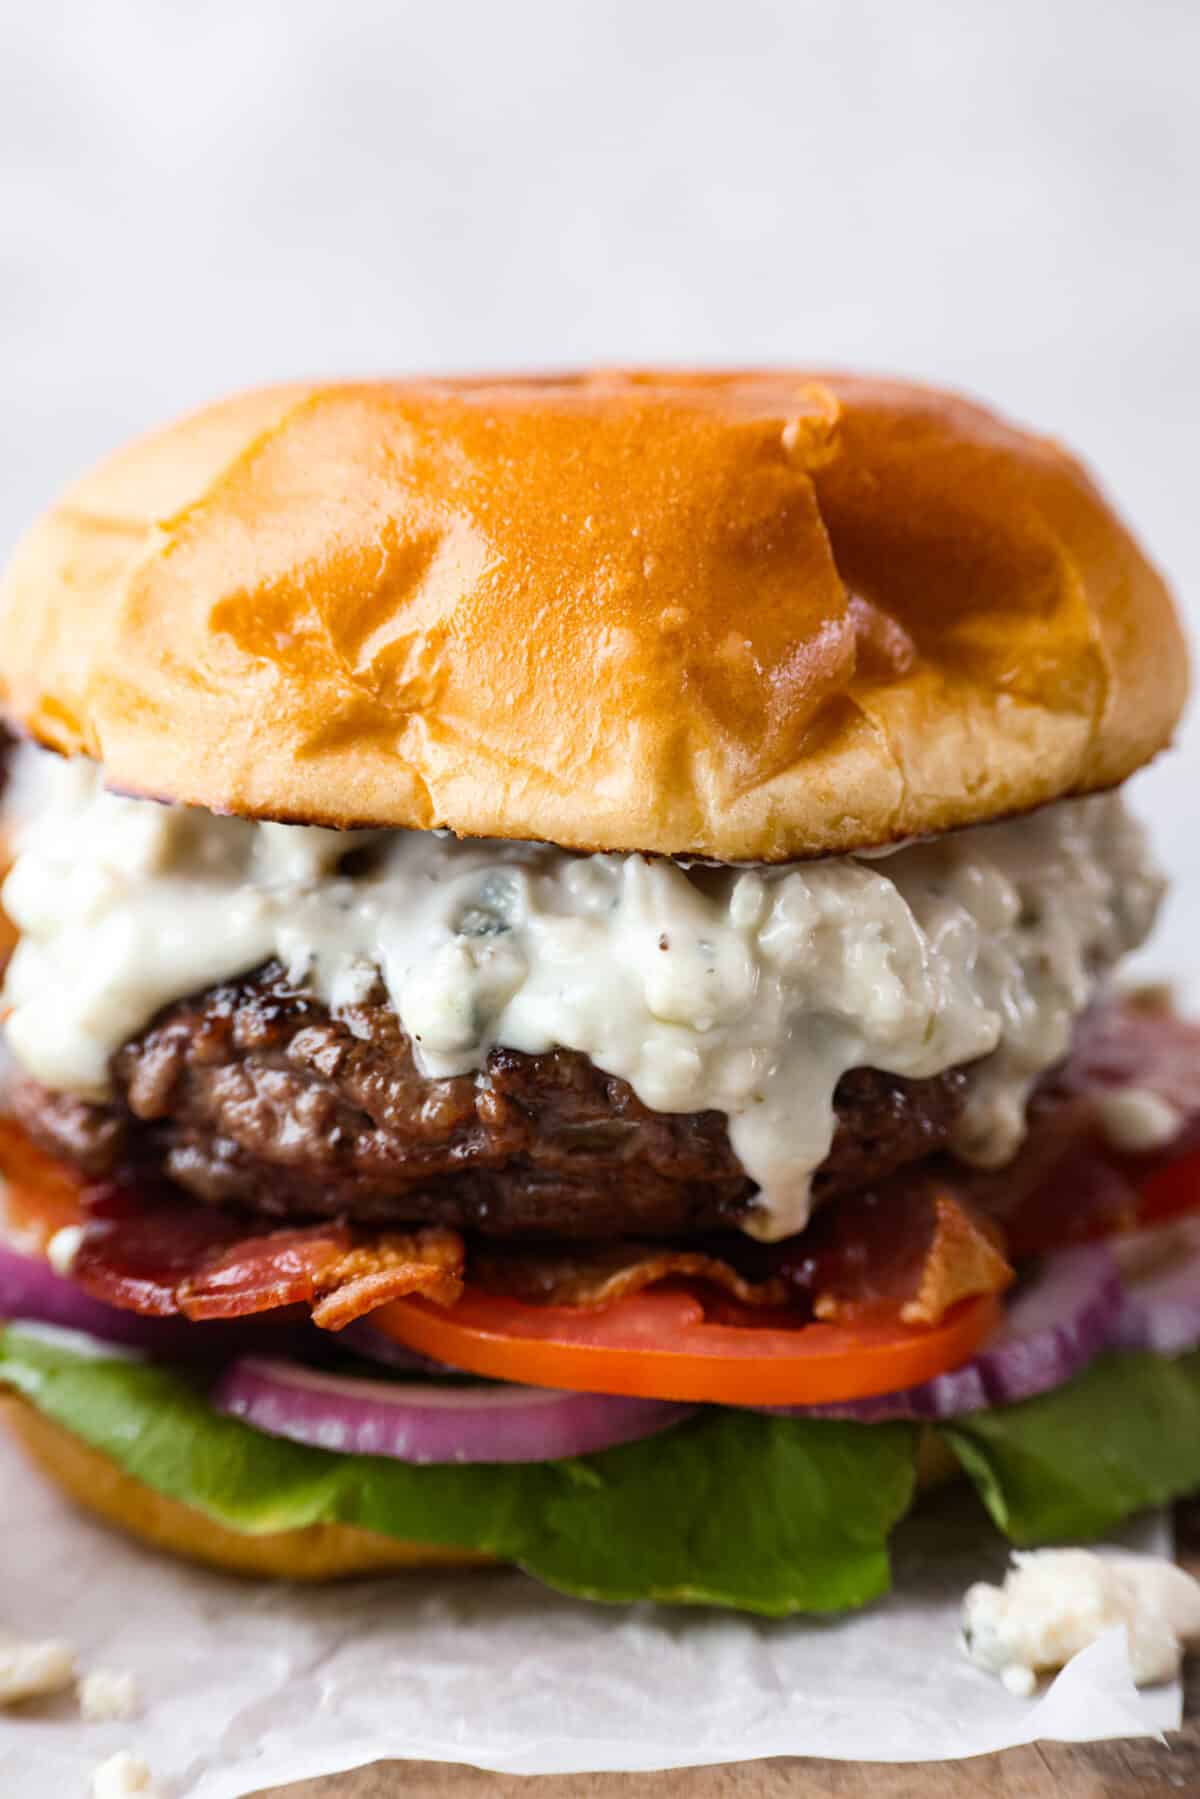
564 1001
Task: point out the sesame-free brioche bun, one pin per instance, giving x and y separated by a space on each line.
315 1552
744 616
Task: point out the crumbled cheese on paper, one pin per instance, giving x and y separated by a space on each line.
1055 1602
125 1776
30 1670
106 1695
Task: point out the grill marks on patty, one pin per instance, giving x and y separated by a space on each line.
253 1095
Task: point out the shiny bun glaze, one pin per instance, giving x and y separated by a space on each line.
743 616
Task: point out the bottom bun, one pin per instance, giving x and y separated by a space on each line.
315 1552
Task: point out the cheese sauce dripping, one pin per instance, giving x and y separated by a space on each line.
747 990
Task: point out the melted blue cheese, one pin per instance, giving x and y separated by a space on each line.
749 991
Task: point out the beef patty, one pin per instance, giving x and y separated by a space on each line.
253 1095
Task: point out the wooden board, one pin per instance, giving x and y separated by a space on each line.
1117 1770
1042 1771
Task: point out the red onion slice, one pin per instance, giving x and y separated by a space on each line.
1053 1328
423 1422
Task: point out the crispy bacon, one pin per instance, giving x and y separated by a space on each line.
143 1260
260 1274
914 1247
179 1259
596 1274
387 1266
910 1247
163 1258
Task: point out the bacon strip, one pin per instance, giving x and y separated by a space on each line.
912 1247
186 1260
167 1257
915 1248
596 1274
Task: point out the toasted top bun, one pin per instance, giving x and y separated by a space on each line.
753 616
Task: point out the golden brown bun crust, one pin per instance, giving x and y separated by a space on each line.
317 1552
747 616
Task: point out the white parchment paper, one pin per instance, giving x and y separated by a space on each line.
246 1685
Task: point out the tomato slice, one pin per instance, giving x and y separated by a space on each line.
661 1345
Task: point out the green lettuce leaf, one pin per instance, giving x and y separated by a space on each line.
766 1514
772 1515
1071 1464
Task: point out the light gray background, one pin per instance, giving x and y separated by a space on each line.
1000 196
